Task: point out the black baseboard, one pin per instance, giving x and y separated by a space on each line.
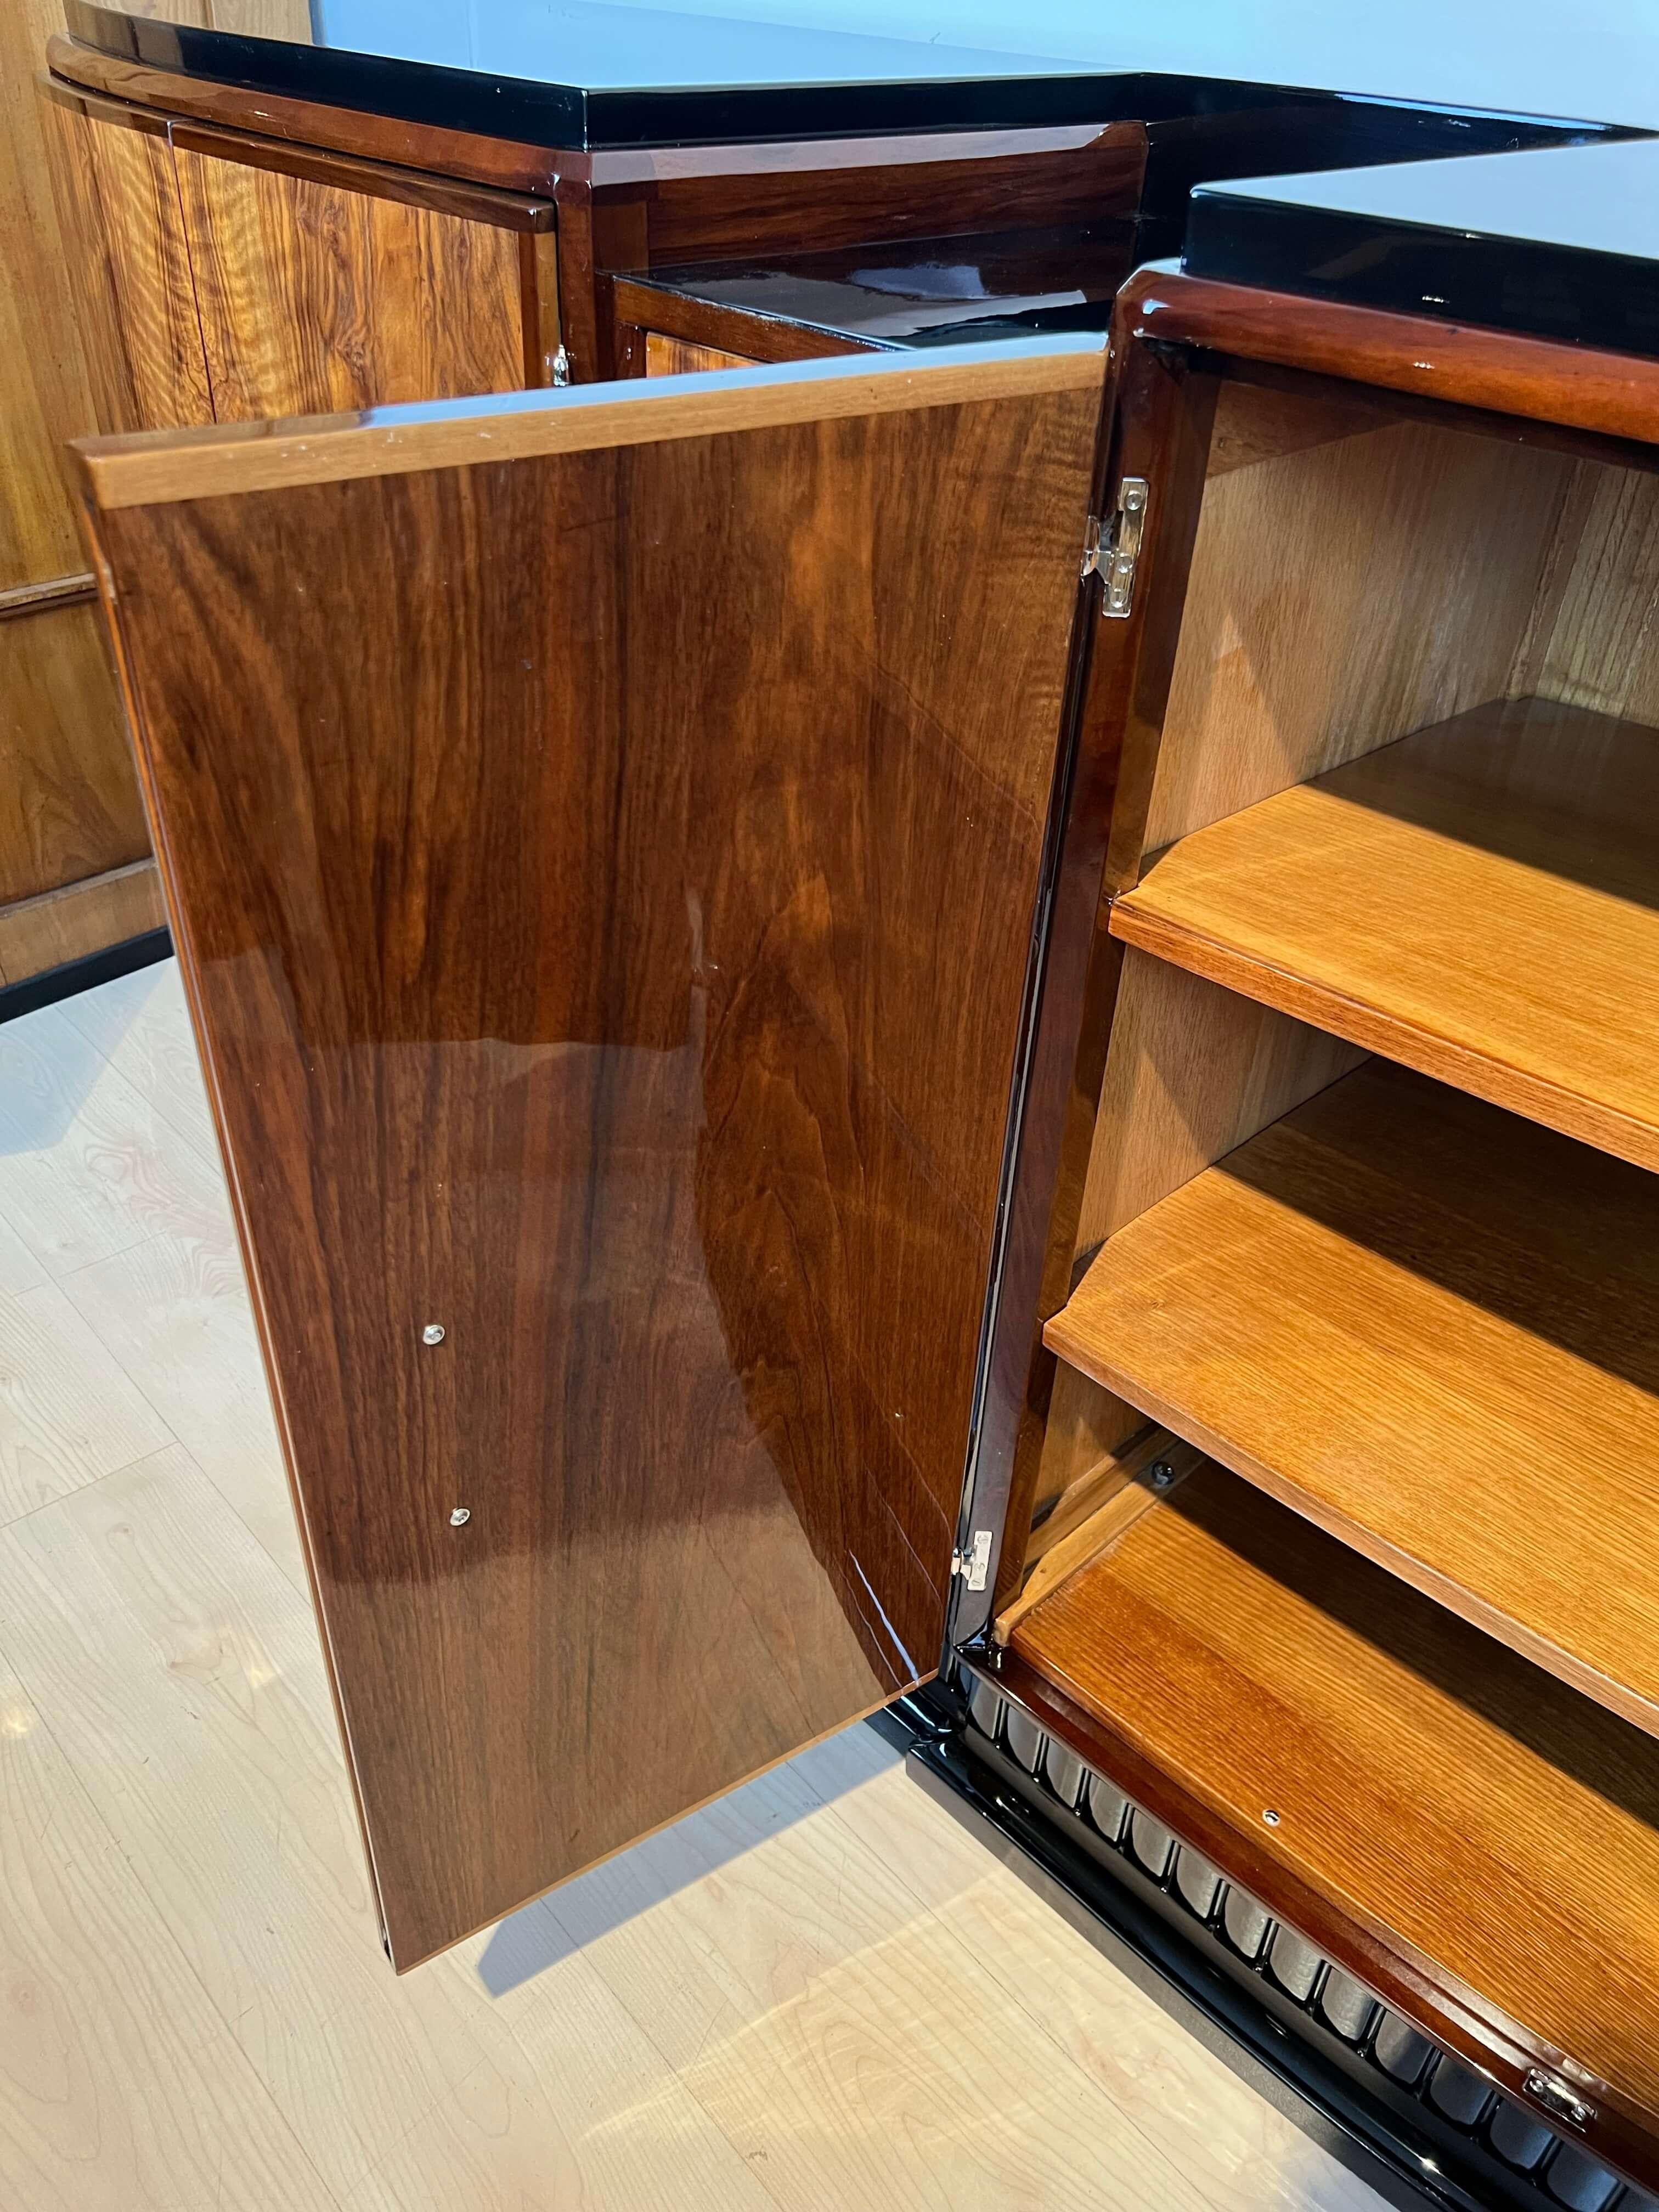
92 969
1319 2088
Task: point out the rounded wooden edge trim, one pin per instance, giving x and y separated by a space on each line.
154 467
1405 1980
1462 363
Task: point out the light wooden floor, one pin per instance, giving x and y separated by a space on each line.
817 1993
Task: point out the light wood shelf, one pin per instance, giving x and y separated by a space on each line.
1434 1328
1480 901
1474 1821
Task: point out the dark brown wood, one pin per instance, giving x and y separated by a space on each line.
496 162
1162 417
378 180
603 880
1469 1836
1615 395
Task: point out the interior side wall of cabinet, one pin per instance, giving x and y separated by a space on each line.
1355 577
75 875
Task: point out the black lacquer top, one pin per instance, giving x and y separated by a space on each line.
587 75
1561 244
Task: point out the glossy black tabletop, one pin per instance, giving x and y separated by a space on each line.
589 76
1562 243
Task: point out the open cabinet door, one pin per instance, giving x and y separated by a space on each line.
604 832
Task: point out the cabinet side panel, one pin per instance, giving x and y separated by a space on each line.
604 883
317 298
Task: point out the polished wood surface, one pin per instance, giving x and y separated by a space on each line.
306 123
1478 901
1611 395
79 918
636 994
652 321
398 440
1315 623
1473 1840
665 356
127 263
199 2012
69 801
316 297
1413 1316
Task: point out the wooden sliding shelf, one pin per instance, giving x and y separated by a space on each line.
1430 1790
1433 1329
1480 901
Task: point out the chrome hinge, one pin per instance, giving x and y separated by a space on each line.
1558 2100
561 367
973 1566
1116 551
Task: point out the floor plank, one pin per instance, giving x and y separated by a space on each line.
120 2090
786 2001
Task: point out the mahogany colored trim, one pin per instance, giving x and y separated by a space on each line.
1161 431
464 154
378 180
1614 394
1407 1981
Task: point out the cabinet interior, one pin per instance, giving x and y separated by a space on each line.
1355 1407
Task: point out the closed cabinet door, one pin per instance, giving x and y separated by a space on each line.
604 834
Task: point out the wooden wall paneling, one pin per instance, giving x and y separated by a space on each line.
76 919
1341 596
68 800
318 296
128 264
44 398
668 1076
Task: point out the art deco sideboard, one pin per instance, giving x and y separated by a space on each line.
973 1003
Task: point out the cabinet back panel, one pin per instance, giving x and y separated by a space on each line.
604 883
1342 595
1602 647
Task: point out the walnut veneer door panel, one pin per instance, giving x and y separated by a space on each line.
318 295
604 844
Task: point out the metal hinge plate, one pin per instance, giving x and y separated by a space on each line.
973 1566
1115 552
1558 2099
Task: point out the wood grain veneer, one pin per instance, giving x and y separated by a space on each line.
1315 623
128 264
670 357
612 944
1414 1317
1479 901
318 296
1462 1830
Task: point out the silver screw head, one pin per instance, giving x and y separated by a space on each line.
1162 1475
433 1333
1270 1818
459 1517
